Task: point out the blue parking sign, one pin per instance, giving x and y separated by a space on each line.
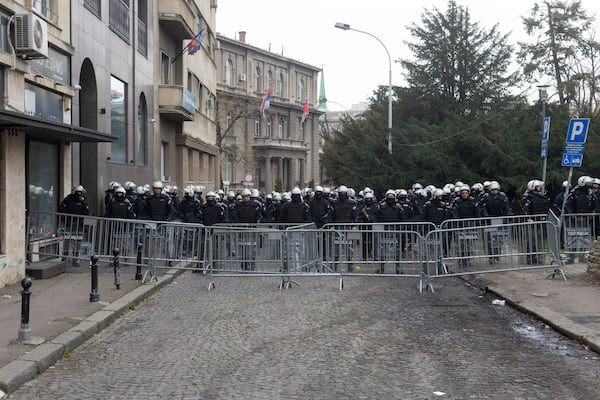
578 129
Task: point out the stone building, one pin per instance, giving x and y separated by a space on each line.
275 149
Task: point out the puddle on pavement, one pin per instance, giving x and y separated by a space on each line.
544 336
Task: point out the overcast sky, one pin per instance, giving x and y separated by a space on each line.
354 64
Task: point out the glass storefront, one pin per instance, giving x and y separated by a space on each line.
42 176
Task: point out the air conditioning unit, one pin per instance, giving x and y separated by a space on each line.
214 3
242 77
210 103
31 36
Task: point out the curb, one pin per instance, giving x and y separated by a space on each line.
43 356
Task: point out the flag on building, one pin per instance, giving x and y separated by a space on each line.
194 45
266 102
304 112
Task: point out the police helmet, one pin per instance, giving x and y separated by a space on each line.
211 194
246 192
296 190
231 194
369 195
402 193
220 192
477 187
131 186
139 190
114 185
351 192
146 188
342 189
494 185
465 187
157 185
596 181
390 192
120 189
254 194
318 189
188 191
437 193
78 188
277 197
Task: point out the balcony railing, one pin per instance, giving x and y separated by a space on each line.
279 143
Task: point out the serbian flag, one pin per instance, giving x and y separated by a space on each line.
194 45
266 101
305 112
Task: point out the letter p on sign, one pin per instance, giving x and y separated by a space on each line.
578 128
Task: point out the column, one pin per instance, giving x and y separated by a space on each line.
268 180
280 171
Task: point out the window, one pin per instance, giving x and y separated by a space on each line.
165 68
142 131
301 90
269 78
270 127
257 79
44 8
118 18
200 95
118 120
142 27
229 171
229 72
4 45
280 125
43 103
280 85
42 176
257 128
229 120
164 159
93 6
301 131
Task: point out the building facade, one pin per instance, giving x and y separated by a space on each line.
36 112
184 146
278 148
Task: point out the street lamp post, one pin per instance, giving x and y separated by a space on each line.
346 27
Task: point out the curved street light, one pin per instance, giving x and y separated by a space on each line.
346 27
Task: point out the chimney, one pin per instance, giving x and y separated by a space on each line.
242 36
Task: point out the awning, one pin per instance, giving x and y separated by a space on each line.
43 129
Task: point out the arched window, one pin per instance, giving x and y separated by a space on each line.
270 127
229 72
269 79
301 90
280 126
257 80
280 85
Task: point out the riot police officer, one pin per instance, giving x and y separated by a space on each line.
320 207
119 206
158 205
295 211
189 207
76 204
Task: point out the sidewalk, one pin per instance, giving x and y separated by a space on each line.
62 314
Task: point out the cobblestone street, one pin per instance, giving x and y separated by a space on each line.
379 338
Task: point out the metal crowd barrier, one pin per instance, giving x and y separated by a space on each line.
408 249
578 232
484 245
75 237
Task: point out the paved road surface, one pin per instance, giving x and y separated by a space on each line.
377 339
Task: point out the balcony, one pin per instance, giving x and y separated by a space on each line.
266 143
176 102
177 18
